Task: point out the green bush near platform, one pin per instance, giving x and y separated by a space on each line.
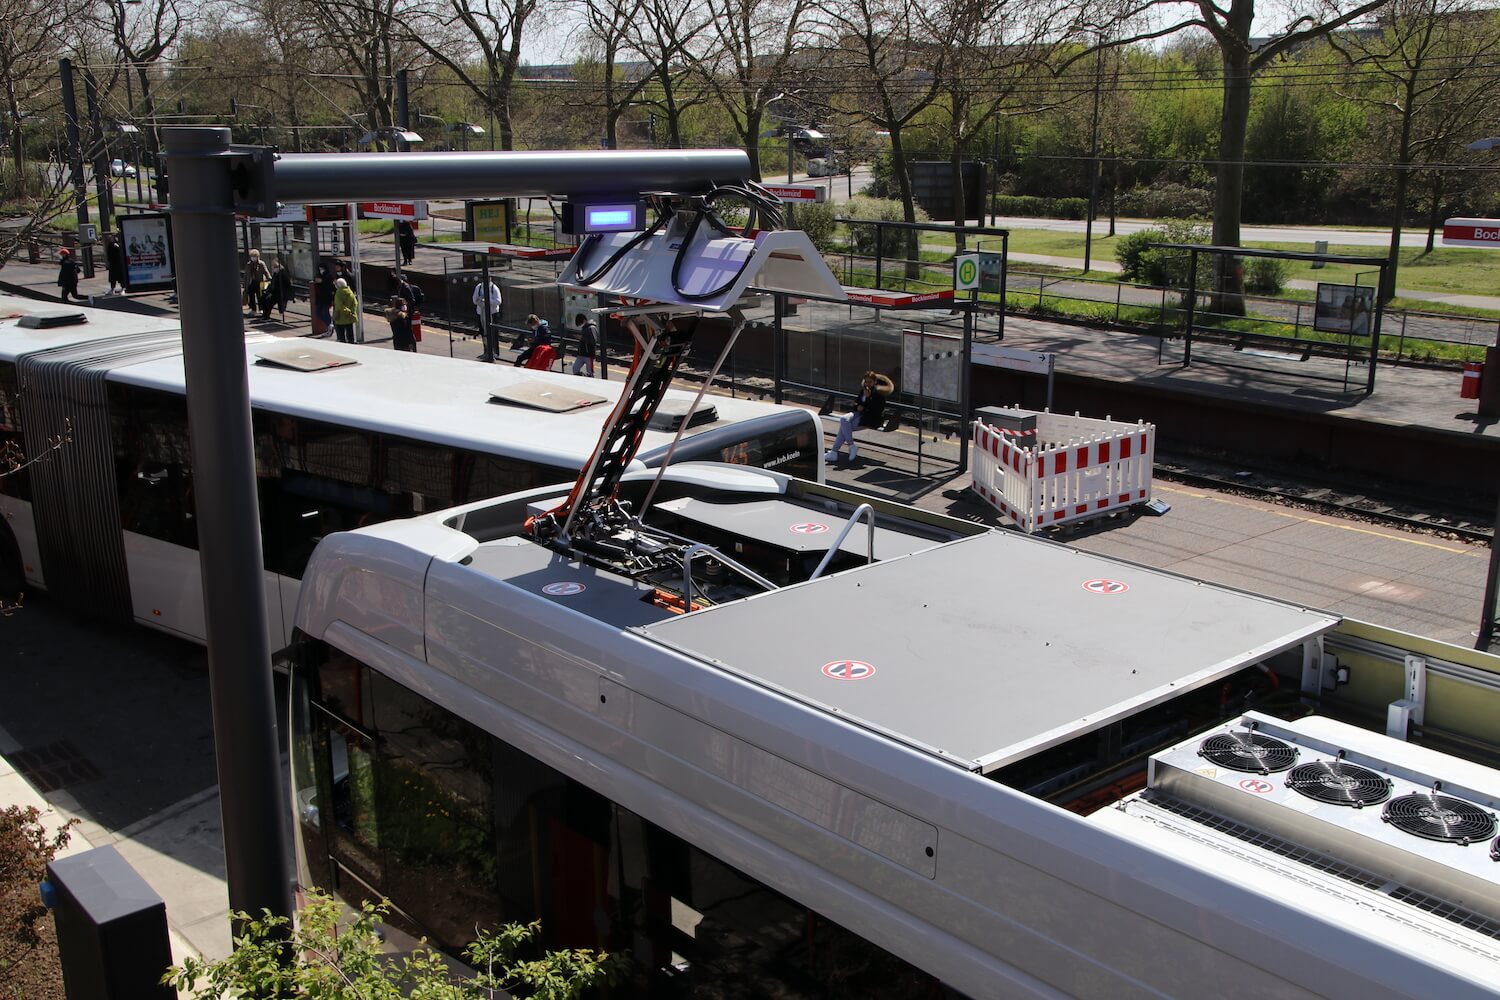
1042 208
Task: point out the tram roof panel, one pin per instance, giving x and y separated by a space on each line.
16 340
992 648
444 400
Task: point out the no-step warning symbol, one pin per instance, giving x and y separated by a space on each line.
809 528
1105 586
565 589
848 670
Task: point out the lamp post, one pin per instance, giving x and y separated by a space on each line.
464 130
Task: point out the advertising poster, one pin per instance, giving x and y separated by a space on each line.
148 252
489 221
1344 309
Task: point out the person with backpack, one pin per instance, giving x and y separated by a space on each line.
541 336
588 345
67 276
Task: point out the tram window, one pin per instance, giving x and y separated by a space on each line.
436 813
483 476
15 481
153 464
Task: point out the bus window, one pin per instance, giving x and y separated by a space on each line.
419 475
790 446
153 464
481 476
14 479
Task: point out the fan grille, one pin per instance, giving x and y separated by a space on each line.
1248 751
1339 783
1439 817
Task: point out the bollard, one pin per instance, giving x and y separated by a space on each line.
1473 377
111 928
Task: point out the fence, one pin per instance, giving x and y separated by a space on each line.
1070 468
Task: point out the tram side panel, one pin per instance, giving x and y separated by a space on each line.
1018 898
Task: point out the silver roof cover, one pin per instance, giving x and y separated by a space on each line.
991 648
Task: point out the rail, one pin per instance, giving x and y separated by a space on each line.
863 510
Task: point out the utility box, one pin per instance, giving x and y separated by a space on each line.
111 928
1008 420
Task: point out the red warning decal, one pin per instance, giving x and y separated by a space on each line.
809 528
1105 586
848 670
565 589
1257 786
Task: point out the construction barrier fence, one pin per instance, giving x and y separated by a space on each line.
1066 469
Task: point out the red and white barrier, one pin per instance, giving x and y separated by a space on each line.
1071 468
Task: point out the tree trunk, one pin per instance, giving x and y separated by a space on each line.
17 141
960 209
1403 184
908 204
1114 189
1435 208
751 135
1229 189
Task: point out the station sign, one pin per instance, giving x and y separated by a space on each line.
1471 233
406 211
966 272
805 194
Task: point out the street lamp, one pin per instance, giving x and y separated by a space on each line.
399 134
464 130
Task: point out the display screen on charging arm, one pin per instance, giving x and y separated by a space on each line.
616 218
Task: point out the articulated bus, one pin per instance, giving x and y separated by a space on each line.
779 739
345 435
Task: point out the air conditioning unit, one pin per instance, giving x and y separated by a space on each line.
1420 820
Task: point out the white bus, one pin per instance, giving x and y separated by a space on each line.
104 521
886 753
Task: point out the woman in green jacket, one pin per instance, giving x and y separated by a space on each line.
345 311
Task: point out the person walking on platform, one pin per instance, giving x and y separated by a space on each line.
321 294
345 311
280 292
588 345
398 314
114 263
257 280
406 239
869 406
67 276
487 306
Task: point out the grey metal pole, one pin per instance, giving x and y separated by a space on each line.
218 396
403 110
1487 625
965 405
75 151
339 178
104 183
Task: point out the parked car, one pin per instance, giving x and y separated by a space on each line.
119 168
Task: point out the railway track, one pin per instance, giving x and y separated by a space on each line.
1366 502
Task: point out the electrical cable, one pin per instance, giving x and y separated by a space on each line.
583 251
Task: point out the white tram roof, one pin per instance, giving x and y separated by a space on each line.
444 400
980 650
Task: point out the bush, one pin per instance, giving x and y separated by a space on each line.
862 238
1266 275
1167 201
28 946
817 222
324 956
1042 208
1145 264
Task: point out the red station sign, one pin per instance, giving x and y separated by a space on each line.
797 192
1471 233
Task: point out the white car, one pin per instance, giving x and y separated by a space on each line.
119 168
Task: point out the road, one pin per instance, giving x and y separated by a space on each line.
1248 234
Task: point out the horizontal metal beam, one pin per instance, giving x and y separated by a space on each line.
340 178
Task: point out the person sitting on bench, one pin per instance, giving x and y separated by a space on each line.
869 406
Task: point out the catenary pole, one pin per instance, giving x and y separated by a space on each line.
75 154
246 748
208 176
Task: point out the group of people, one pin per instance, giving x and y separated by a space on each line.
68 273
266 287
538 351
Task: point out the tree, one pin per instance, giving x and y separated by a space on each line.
1241 56
1435 86
890 77
609 25
991 48
746 59
28 53
317 959
454 31
142 31
663 33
